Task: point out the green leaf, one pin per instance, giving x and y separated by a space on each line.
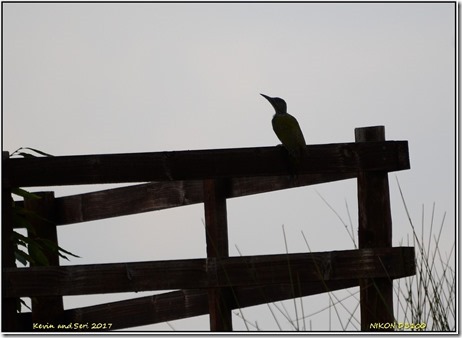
14 152
36 252
68 252
18 152
48 245
39 152
20 221
21 238
20 242
22 257
56 248
21 211
25 155
25 194
38 247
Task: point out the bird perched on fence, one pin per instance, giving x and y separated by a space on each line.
287 130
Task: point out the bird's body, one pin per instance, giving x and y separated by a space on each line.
289 133
287 129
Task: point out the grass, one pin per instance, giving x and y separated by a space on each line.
423 302
429 296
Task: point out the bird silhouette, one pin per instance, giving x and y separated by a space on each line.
287 130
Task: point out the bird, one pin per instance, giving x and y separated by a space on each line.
287 130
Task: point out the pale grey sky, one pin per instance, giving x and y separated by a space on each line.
91 78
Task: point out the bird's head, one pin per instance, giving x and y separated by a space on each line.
278 104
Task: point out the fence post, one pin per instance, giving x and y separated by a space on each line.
216 226
46 309
375 230
9 313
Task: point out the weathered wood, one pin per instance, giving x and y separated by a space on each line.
375 231
163 195
204 164
46 309
9 315
216 229
128 200
216 223
144 310
183 304
193 274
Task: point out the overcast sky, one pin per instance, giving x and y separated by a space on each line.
88 78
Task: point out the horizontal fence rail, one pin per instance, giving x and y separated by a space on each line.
203 164
186 303
205 273
157 196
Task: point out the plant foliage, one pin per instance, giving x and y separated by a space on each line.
32 249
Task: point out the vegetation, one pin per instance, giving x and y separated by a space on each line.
424 302
31 249
429 296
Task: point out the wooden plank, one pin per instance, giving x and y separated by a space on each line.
216 223
127 201
156 196
375 231
204 164
216 228
245 186
46 309
192 274
144 310
183 304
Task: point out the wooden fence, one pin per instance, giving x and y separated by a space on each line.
217 284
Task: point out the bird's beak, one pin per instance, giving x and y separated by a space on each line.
270 99
266 97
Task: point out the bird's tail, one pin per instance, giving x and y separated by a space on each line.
295 159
